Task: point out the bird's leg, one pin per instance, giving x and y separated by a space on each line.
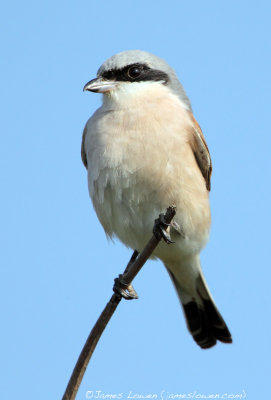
161 229
121 287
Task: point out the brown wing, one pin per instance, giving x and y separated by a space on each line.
201 153
83 152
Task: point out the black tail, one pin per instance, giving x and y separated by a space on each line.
204 321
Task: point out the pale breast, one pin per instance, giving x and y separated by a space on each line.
140 162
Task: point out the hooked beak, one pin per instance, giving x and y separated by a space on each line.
100 85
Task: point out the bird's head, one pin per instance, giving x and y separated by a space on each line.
129 70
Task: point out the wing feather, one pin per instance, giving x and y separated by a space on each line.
201 152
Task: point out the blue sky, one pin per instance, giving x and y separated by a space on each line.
57 267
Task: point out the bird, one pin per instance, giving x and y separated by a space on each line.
144 150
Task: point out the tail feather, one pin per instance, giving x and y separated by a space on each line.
203 319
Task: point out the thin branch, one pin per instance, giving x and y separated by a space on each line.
133 267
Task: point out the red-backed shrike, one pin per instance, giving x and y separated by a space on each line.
144 151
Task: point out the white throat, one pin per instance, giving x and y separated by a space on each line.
129 94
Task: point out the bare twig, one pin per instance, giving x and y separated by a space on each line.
135 264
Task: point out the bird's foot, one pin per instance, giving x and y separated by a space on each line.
161 229
124 290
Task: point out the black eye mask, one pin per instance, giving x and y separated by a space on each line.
136 73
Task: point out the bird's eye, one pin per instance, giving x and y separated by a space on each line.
133 72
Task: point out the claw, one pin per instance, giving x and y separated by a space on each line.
124 290
160 228
166 235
